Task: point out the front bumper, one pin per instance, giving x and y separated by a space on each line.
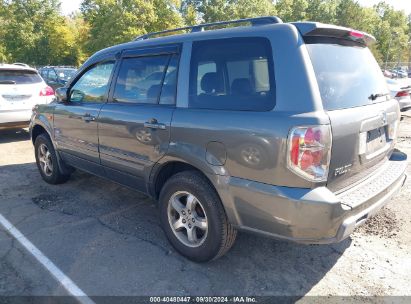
312 216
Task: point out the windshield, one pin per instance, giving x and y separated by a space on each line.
65 74
19 77
348 76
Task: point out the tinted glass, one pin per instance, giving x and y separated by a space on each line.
65 74
232 74
168 91
93 85
139 79
19 77
204 68
346 75
43 73
52 75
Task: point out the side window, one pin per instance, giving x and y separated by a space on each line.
44 74
204 68
140 79
168 91
92 85
52 75
232 74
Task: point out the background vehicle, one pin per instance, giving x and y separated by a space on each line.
57 76
388 74
399 73
400 90
287 130
21 88
21 64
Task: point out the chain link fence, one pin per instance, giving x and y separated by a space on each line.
404 66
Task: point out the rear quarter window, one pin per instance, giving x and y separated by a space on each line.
19 77
232 74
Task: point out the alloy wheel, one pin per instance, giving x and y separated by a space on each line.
187 219
45 160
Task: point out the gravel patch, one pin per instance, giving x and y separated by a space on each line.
385 224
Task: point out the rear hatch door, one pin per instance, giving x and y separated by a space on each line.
363 115
19 89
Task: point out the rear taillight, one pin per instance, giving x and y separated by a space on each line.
309 150
47 91
402 94
356 34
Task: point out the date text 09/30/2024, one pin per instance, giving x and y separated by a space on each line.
236 299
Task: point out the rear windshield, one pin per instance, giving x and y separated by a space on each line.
347 75
19 77
66 74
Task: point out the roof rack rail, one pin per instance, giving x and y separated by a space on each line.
200 27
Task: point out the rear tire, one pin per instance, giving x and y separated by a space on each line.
193 217
47 161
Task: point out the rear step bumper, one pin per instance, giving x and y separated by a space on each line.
350 223
311 216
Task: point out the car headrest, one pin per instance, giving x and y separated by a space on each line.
209 82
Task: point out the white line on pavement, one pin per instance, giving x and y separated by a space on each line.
64 280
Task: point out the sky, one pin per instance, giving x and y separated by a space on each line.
69 6
397 4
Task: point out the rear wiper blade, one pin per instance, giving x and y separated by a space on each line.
7 82
375 96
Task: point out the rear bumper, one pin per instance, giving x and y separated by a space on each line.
357 219
404 102
312 216
11 125
15 116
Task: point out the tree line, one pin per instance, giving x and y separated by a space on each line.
36 32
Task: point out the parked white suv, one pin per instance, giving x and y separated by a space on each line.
21 88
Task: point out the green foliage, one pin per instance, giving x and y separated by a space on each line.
35 32
117 21
292 10
322 11
195 11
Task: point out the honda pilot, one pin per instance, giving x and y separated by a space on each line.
283 129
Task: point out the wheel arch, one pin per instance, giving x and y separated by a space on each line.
163 171
36 131
41 124
38 128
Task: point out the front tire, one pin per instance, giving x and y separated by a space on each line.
47 162
193 217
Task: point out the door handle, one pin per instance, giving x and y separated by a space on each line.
154 124
88 117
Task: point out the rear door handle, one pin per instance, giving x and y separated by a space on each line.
88 117
154 124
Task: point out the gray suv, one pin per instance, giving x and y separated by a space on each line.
284 129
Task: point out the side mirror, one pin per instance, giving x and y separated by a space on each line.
61 95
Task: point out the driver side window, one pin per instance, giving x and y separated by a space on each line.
140 79
92 85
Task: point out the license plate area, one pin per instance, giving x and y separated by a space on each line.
376 139
16 98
